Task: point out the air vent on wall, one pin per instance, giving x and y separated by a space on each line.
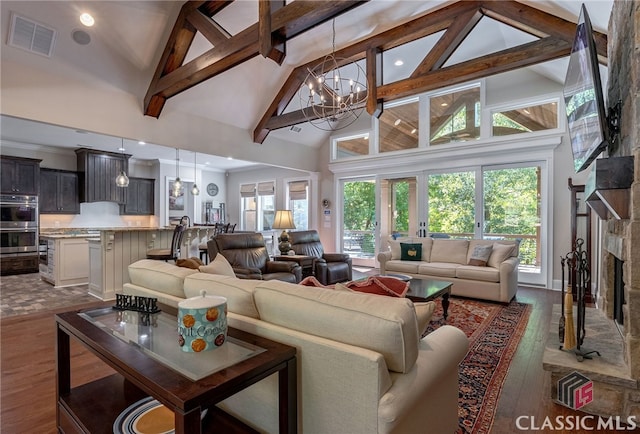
31 36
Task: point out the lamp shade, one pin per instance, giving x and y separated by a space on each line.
283 220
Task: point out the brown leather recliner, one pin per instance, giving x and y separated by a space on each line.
248 255
329 268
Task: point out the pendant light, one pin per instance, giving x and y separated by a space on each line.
177 184
195 190
122 180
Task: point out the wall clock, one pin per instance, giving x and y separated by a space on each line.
212 189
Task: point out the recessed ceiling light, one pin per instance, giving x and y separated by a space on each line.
121 149
142 143
444 104
526 111
399 62
229 158
413 131
366 137
87 20
397 122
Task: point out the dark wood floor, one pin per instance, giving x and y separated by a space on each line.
28 371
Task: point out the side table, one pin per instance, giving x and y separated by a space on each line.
307 263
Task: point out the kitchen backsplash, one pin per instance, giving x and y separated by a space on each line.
96 215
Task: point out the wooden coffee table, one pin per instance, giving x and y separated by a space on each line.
428 290
148 361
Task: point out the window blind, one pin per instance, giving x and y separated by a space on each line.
298 190
266 188
247 190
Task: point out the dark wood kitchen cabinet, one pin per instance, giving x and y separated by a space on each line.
140 197
20 175
59 192
97 171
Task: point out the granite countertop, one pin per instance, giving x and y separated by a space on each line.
93 232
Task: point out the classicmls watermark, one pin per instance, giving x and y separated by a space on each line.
575 391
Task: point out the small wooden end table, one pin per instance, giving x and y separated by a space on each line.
307 263
428 290
145 354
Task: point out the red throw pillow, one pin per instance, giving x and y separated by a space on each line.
312 281
380 285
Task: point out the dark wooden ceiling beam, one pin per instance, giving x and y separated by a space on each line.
449 42
213 32
289 21
521 56
272 44
374 79
176 49
538 23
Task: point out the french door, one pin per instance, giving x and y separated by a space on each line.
358 232
507 202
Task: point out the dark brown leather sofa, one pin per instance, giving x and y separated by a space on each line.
329 268
248 255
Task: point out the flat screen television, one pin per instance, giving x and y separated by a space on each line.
583 97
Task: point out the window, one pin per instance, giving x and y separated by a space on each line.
248 207
257 206
398 126
455 116
266 205
299 203
352 146
527 119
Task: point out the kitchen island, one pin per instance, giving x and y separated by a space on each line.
109 251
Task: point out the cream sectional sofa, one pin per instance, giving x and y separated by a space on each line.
448 259
362 367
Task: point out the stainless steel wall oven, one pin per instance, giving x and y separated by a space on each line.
18 224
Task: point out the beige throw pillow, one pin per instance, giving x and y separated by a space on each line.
219 265
424 312
480 255
499 253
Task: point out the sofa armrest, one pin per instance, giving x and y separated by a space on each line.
429 392
336 257
281 266
509 278
246 270
383 257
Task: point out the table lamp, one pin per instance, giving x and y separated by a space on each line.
283 220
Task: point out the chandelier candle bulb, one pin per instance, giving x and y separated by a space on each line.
202 323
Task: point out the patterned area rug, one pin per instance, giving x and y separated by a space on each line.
494 332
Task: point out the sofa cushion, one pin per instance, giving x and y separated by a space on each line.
387 325
219 265
239 292
479 254
440 269
411 251
394 246
445 250
472 272
403 266
499 253
160 276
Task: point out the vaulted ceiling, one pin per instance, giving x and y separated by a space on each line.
279 22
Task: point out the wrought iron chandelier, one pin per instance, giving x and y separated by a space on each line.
334 96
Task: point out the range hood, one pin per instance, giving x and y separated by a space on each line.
608 187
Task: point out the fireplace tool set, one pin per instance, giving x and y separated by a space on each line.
572 338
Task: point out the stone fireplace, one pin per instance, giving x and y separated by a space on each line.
616 333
